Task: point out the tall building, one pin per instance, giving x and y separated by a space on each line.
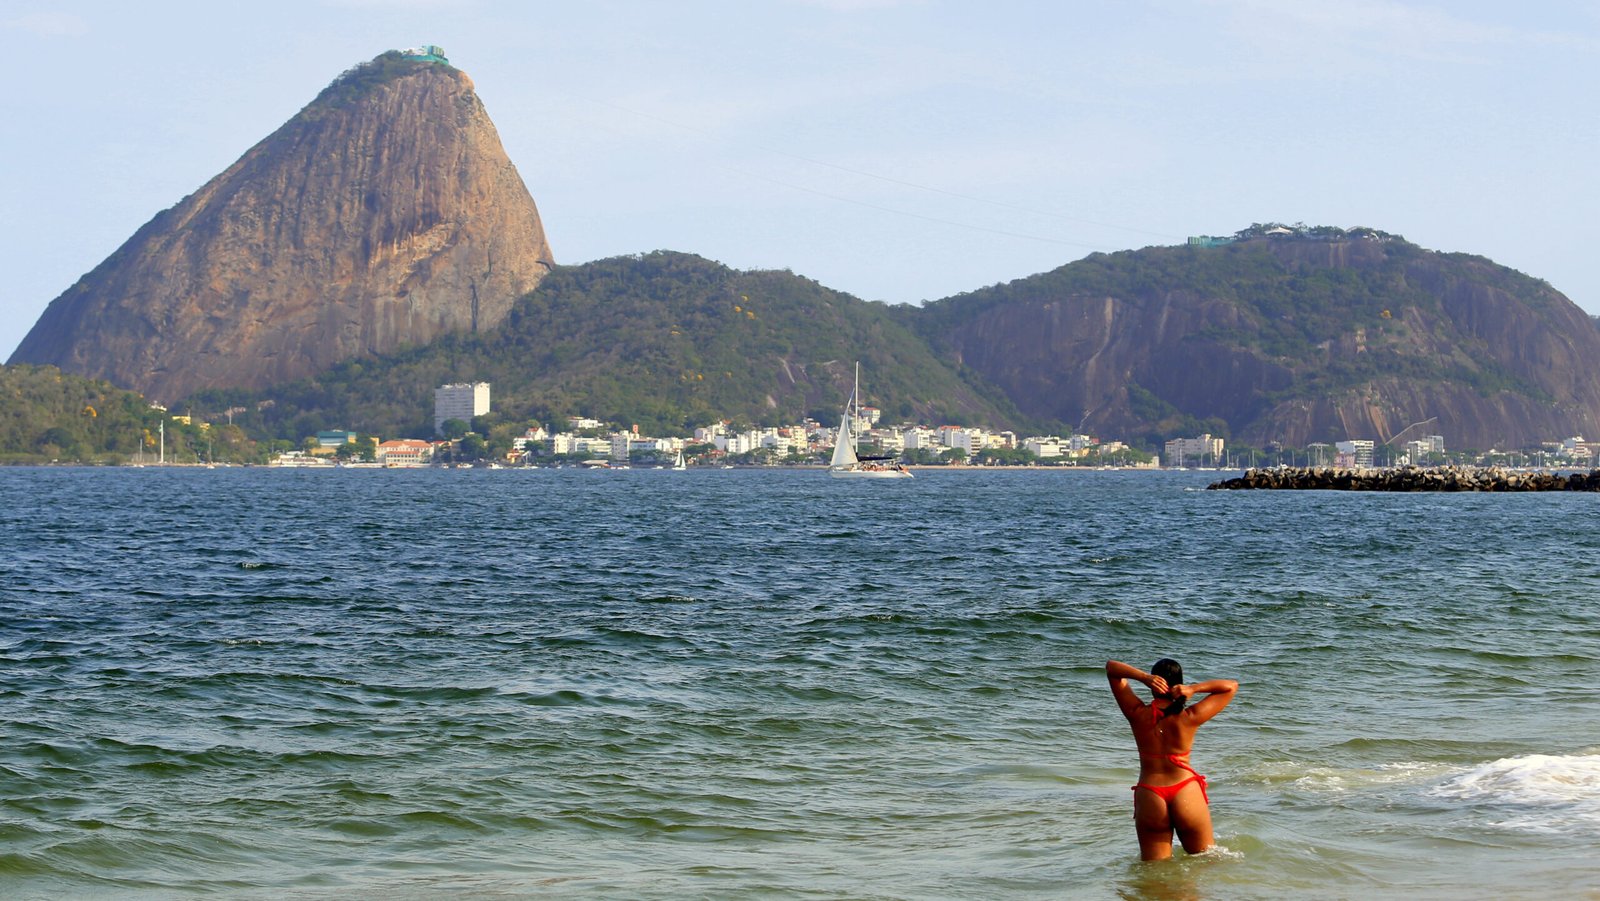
460 401
1194 451
1359 452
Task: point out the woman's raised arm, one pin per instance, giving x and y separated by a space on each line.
1118 674
1218 692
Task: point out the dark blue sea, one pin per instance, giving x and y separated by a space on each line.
768 684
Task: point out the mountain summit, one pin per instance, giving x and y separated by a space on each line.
385 213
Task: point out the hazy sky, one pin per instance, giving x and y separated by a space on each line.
899 150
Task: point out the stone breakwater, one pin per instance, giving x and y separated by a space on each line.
1410 478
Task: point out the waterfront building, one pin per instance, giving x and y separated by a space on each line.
1193 451
334 438
1358 451
891 440
621 443
405 452
461 401
1043 446
536 435
957 437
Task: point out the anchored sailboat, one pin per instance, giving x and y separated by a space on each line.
847 463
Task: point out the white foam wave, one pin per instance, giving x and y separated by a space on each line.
1326 780
1539 792
1221 852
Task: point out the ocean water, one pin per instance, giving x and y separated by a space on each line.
770 684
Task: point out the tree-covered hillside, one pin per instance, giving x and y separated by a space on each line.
667 341
47 416
1287 335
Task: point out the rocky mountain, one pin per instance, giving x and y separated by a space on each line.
384 214
664 340
1287 336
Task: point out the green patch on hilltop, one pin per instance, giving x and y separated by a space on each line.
359 80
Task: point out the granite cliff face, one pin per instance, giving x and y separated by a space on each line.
1287 339
384 214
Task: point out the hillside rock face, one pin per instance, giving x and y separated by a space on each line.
1288 340
385 213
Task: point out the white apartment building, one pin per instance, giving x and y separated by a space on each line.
956 436
1193 451
568 443
620 445
891 440
1043 446
739 444
461 401
1358 451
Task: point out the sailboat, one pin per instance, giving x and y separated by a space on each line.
846 463
679 463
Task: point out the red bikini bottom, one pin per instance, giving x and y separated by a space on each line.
1168 792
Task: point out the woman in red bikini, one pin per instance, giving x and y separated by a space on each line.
1170 794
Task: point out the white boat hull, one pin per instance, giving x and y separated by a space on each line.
869 473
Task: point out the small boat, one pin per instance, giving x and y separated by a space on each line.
846 462
679 463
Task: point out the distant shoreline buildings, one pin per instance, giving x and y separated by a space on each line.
602 443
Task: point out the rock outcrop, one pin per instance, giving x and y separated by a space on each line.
384 214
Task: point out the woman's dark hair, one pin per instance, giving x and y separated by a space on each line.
1172 671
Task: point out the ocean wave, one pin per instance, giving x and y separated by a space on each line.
1332 779
1534 792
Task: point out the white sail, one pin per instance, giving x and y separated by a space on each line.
844 450
845 464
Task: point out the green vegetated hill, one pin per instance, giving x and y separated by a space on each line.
1316 335
667 341
49 416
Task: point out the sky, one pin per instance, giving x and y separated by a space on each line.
898 150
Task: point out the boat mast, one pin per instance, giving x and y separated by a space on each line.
855 411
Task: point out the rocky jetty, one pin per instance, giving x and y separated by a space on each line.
1410 478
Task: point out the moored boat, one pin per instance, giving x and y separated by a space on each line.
847 463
